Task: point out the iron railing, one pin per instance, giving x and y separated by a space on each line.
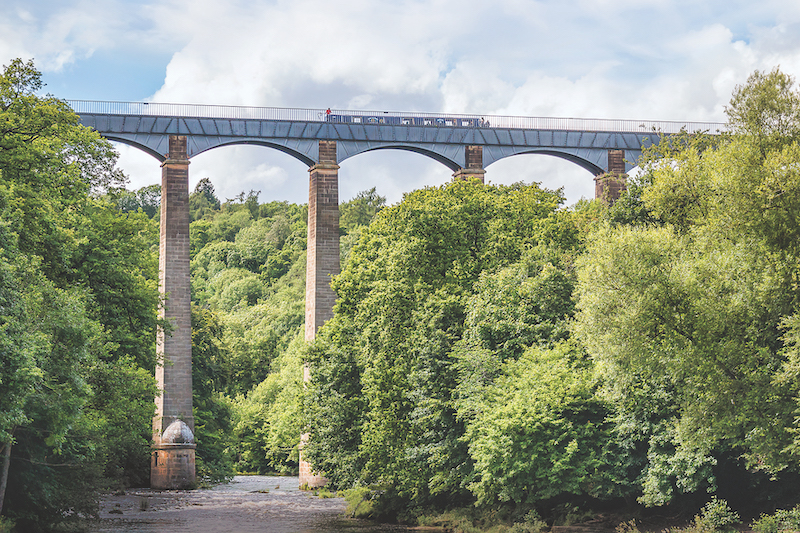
388 117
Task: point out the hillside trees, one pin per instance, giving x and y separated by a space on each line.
441 296
691 318
79 279
248 291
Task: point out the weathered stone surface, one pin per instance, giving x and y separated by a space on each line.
322 262
174 468
473 157
609 186
177 433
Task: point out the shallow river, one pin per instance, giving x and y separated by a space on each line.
248 504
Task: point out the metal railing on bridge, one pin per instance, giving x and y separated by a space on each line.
389 117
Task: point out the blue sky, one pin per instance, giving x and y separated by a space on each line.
655 60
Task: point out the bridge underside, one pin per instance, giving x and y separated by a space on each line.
301 139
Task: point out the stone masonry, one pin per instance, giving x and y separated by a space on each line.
322 262
174 347
473 156
610 185
323 238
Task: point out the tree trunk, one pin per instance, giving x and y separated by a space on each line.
4 474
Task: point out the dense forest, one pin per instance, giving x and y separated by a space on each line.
496 359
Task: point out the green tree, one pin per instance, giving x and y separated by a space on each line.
203 201
54 473
704 313
360 210
211 374
268 420
248 290
147 199
766 109
686 320
380 407
114 258
79 273
541 431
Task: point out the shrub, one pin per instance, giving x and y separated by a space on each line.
359 502
531 524
782 520
6 525
627 527
716 515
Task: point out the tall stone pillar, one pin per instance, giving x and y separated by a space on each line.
610 185
473 158
172 463
322 262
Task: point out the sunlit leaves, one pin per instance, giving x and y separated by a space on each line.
383 403
542 431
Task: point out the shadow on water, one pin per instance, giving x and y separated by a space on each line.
249 504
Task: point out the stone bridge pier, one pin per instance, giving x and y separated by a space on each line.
473 164
322 263
172 464
609 185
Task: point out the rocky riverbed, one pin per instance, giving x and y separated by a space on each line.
248 504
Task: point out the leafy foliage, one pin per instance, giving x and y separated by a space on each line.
541 431
77 278
386 369
684 310
781 520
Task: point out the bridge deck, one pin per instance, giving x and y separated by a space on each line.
436 135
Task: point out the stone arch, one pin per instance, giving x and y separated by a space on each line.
436 156
305 159
135 144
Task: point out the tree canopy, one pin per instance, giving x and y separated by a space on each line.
689 312
78 277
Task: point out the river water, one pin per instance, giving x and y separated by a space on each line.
248 504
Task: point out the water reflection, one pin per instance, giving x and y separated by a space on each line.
263 504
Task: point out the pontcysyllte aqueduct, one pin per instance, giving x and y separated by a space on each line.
322 139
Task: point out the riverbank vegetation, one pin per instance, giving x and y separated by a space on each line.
492 349
78 299
496 361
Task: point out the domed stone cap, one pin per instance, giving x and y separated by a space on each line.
177 433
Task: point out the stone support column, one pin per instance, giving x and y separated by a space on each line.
322 262
610 185
173 460
473 158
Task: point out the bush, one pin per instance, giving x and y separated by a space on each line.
359 502
531 524
6 525
716 515
627 527
782 520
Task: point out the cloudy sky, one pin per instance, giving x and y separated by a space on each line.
638 59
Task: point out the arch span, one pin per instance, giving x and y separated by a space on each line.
572 158
305 159
439 158
139 146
